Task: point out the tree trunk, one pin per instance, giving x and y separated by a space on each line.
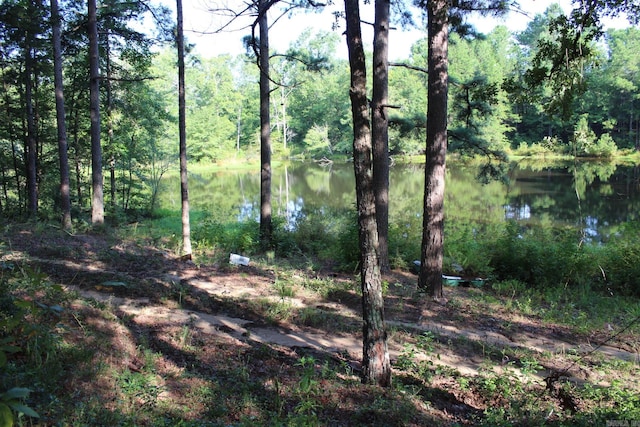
76 149
182 123
65 197
283 103
4 189
265 128
109 146
239 129
97 202
11 131
376 364
380 128
31 145
433 215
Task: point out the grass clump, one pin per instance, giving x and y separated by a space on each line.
34 358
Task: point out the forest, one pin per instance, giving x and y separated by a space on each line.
492 107
116 311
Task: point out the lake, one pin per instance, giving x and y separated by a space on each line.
595 198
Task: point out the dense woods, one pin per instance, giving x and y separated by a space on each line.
491 106
101 99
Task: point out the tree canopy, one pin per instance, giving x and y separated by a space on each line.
492 96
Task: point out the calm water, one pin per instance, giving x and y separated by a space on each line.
596 198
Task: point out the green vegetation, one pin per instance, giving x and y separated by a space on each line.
84 362
108 326
493 110
536 255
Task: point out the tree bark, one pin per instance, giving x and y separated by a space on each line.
182 123
97 201
109 144
11 130
433 216
31 145
65 197
265 128
376 363
76 150
380 128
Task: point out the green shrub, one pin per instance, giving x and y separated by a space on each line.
30 313
619 260
313 233
605 147
548 145
465 249
347 252
283 239
237 237
583 138
404 240
535 255
330 235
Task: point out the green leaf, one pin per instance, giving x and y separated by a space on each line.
15 393
22 304
56 308
9 349
24 409
6 417
114 284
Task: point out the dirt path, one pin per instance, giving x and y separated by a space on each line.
147 314
217 301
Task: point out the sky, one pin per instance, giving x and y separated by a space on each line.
200 23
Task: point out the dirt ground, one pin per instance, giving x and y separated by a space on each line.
155 294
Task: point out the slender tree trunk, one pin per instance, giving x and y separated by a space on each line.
637 132
380 127
376 364
127 200
265 128
184 177
17 172
4 189
110 148
239 129
31 144
76 149
284 96
433 215
65 197
97 202
11 131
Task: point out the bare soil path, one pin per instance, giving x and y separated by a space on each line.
156 291
149 315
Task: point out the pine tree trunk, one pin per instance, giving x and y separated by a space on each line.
380 128
31 145
97 202
11 131
184 181
76 149
265 128
65 197
433 217
376 364
109 145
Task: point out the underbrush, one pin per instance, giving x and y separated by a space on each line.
35 358
87 364
539 256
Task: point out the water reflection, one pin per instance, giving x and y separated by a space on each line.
594 198
517 213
